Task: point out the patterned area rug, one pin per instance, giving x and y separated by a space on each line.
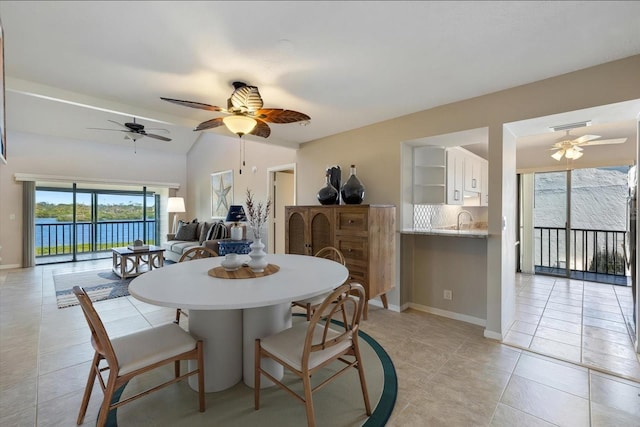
99 284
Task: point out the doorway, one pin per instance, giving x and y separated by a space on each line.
282 192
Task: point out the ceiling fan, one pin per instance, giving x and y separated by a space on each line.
572 148
135 131
245 113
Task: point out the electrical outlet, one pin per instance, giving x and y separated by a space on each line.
448 294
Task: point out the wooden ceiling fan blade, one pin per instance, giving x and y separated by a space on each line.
158 130
193 104
210 124
278 115
605 142
159 137
262 129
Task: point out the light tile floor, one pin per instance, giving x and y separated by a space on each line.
448 374
576 321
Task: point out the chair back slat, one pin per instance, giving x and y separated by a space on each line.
99 337
348 298
332 253
197 253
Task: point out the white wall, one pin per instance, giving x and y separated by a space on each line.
45 155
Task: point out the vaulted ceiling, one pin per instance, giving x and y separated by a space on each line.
73 65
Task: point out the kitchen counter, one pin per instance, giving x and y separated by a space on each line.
473 233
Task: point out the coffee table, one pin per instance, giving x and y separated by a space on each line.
131 263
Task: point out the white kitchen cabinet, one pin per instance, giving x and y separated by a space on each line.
472 173
452 176
484 174
455 176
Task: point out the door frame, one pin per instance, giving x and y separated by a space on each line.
271 194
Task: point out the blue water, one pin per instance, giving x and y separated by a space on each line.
56 233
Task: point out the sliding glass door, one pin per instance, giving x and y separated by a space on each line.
579 220
550 223
78 223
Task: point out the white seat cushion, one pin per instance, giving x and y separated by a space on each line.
313 301
149 346
289 344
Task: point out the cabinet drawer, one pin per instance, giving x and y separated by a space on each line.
353 249
353 221
358 274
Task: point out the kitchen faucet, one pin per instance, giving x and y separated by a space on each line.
470 218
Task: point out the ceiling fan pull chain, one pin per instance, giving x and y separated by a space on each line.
240 145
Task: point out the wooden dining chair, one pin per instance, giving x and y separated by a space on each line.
191 254
134 354
309 346
311 304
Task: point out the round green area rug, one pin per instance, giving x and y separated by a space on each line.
337 404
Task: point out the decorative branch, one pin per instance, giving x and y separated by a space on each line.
257 215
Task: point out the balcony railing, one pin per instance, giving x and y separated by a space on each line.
592 251
57 238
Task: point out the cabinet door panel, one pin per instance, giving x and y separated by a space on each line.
321 231
296 241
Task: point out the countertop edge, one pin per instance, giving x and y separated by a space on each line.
474 234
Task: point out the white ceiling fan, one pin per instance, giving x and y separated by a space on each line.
571 147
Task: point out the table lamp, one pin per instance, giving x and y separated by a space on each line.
236 214
175 205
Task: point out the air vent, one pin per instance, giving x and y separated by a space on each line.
570 126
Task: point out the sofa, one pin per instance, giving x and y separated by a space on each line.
194 234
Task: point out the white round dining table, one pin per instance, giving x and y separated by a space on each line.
229 314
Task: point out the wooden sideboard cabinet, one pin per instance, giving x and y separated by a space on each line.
365 234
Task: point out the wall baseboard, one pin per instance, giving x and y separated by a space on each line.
392 307
9 266
449 314
492 335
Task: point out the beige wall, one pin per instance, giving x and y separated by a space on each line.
376 151
45 155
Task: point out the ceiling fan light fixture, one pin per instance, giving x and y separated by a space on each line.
240 125
558 155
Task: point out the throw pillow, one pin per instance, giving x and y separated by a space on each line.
218 231
187 231
204 232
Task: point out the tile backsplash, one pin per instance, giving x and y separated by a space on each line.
440 216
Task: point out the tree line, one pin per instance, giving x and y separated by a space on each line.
63 212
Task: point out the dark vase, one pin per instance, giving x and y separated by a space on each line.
352 191
335 178
328 195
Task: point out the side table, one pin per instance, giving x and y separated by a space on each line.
228 246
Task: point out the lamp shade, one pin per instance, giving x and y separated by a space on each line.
236 214
175 204
240 125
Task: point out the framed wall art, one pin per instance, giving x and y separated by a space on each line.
221 193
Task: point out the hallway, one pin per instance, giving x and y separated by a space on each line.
576 321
